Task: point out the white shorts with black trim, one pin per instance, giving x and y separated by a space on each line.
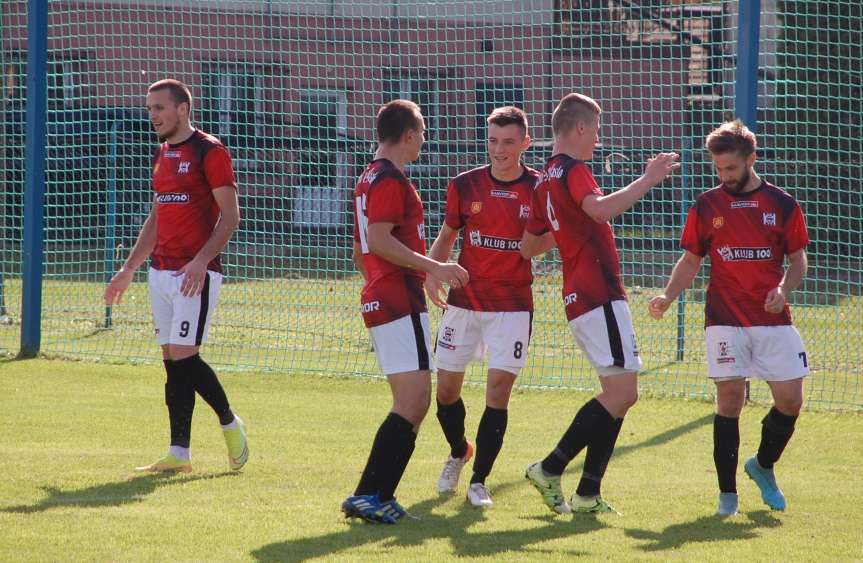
180 319
771 353
606 337
465 335
403 344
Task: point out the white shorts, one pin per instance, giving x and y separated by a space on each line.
606 337
403 344
772 353
465 335
180 319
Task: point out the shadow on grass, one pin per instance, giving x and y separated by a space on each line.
430 527
705 529
108 494
456 529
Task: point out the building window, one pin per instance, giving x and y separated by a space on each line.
232 108
322 183
491 95
64 81
424 89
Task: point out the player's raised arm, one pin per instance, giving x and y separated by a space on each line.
682 275
143 247
602 208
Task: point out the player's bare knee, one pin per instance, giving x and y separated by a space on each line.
790 406
447 394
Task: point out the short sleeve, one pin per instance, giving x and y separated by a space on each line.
218 169
386 201
796 235
536 223
691 238
581 183
453 217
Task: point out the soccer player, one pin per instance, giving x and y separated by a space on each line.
489 206
194 213
389 250
568 202
747 226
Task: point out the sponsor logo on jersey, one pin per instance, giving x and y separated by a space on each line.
172 197
570 299
722 353
524 212
744 203
369 176
553 172
172 154
718 222
476 238
421 231
744 254
476 207
769 219
371 306
505 194
184 167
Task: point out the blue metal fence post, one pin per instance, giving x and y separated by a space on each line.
746 86
34 188
111 228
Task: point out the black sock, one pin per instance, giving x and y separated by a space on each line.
590 420
726 443
451 418
207 385
180 399
776 431
489 440
596 460
391 450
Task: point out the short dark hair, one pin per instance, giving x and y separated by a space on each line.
508 115
732 136
396 117
573 108
179 92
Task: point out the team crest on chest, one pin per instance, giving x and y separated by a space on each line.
524 212
476 207
769 219
718 222
184 167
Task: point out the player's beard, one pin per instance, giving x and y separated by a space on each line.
738 186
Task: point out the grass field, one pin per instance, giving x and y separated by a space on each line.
313 326
72 432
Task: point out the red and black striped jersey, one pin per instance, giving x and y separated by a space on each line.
747 237
491 215
384 195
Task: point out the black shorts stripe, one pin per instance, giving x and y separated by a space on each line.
205 308
614 336
419 336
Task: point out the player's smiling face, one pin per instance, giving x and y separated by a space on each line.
165 114
733 169
506 145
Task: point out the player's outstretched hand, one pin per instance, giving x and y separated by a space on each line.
658 305
775 301
117 287
451 274
661 166
435 290
193 274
